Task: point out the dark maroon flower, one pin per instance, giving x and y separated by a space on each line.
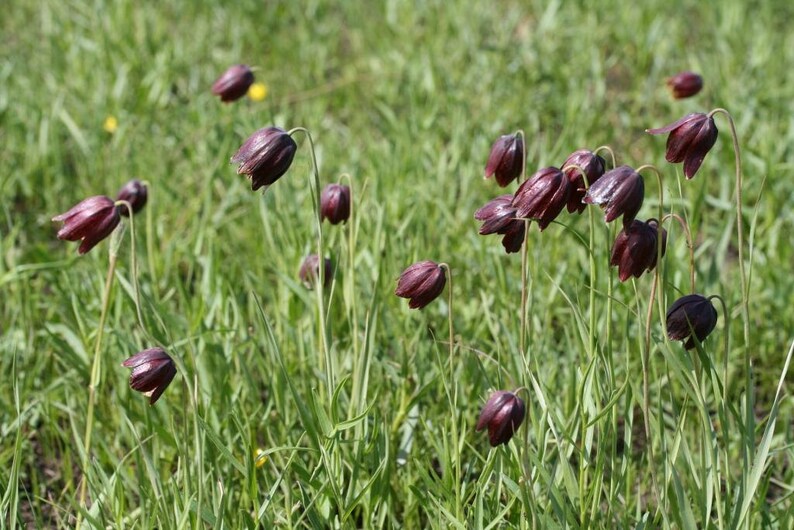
265 156
691 316
421 283
335 203
233 83
152 372
310 270
620 191
506 160
502 414
499 217
593 167
542 196
91 220
636 247
690 140
685 84
135 193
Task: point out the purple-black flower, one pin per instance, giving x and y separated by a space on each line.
265 156
542 196
135 193
91 221
233 83
636 247
506 160
310 271
691 316
499 217
503 414
593 167
690 140
619 191
152 372
685 84
421 283
335 203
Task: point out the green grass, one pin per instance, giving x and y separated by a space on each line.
407 99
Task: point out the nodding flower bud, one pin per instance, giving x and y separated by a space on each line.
309 272
421 283
593 167
499 217
233 83
690 140
691 316
152 372
542 196
335 203
619 191
135 193
91 221
685 84
506 160
636 247
503 414
265 156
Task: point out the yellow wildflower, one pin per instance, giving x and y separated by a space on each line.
111 124
257 92
260 458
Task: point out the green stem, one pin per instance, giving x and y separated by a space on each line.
689 245
135 287
608 150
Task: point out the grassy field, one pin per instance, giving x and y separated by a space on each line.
367 420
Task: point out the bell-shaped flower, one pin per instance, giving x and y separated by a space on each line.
335 203
91 221
691 316
152 372
619 191
506 160
542 196
135 193
265 156
690 140
421 283
233 83
636 247
593 167
502 414
309 272
499 217
685 84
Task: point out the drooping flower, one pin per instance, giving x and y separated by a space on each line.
233 83
265 156
310 271
499 217
542 196
636 247
421 283
503 414
135 193
593 167
506 160
685 84
152 372
691 316
619 191
690 140
335 203
91 221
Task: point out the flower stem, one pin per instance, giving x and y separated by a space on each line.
608 150
689 245
95 374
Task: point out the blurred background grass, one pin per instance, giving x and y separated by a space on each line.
407 98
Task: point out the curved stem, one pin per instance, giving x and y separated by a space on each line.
314 184
95 375
608 150
689 243
524 291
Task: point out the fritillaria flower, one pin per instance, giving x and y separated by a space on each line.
636 247
542 196
691 316
499 217
233 83
335 203
685 84
689 141
91 221
310 271
421 283
265 156
152 372
619 191
502 414
135 193
593 167
506 159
